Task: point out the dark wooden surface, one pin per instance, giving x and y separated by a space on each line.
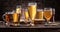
2 25
37 28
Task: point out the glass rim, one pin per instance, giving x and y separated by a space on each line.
48 9
9 12
32 3
18 6
39 9
54 9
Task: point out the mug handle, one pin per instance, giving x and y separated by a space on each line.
3 16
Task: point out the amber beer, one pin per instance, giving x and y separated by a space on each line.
39 14
7 17
48 14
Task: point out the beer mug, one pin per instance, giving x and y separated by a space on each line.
7 17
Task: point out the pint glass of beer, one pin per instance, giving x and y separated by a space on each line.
32 11
16 19
39 14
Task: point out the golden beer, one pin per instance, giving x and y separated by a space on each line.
18 11
39 14
15 17
48 14
26 15
32 11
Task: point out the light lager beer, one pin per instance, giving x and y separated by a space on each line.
48 14
39 14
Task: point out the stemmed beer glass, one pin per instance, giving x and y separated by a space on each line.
32 11
48 14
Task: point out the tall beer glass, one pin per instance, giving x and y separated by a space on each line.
32 11
48 14
26 15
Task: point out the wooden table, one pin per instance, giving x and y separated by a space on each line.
37 28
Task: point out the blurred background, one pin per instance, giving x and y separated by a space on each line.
9 5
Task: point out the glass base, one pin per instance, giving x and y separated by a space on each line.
51 23
7 24
14 24
32 24
24 25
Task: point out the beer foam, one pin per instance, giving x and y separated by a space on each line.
31 4
9 13
39 9
47 9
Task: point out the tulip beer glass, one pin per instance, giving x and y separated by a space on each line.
48 14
